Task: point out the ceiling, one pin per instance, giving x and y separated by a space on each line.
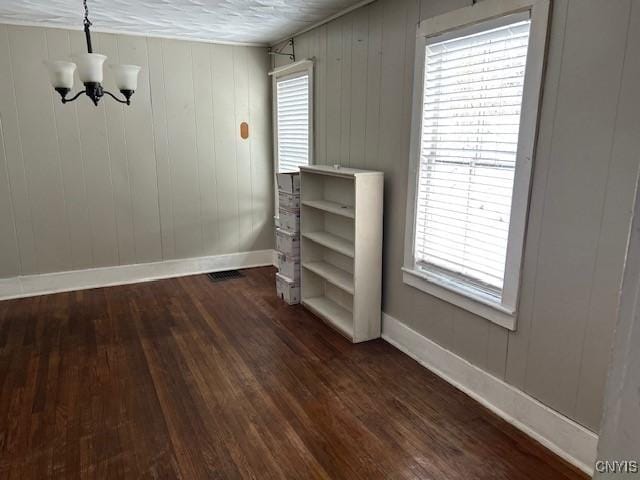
242 21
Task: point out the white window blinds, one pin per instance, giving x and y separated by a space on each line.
470 124
292 111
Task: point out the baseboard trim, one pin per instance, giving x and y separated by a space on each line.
43 284
561 435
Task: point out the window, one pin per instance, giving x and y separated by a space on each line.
478 80
292 96
470 125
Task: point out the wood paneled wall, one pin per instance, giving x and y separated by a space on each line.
584 178
168 177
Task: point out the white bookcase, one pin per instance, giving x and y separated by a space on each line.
341 248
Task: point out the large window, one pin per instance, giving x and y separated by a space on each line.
293 120
474 131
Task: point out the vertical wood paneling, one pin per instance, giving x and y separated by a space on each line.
398 147
161 147
244 194
203 89
180 102
9 258
166 177
40 149
580 156
320 90
260 141
70 151
374 61
345 105
333 79
394 131
224 119
121 180
97 163
141 155
15 164
497 348
435 319
359 70
470 337
303 46
614 231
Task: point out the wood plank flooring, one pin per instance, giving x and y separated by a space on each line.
188 379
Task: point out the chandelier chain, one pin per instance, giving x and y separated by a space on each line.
86 13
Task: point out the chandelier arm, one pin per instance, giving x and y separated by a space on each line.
67 100
126 101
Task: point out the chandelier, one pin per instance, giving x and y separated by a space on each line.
90 71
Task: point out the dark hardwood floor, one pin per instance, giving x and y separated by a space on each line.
190 379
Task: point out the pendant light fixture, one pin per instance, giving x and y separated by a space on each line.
90 69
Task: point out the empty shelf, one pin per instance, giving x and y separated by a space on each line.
332 274
331 207
337 316
338 244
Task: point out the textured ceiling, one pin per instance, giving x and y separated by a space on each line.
249 21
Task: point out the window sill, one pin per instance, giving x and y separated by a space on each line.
460 296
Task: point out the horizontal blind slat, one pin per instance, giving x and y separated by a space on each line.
461 242
515 50
464 264
511 81
493 69
450 224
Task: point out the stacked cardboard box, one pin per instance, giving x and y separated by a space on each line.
288 238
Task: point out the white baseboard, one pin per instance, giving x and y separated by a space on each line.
32 285
563 436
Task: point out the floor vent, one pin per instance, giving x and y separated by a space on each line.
224 276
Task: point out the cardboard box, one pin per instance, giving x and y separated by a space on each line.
288 243
289 266
289 183
288 290
288 200
289 220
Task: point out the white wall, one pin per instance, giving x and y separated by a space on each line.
168 177
583 182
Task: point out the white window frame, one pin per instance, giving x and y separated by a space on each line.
290 71
502 312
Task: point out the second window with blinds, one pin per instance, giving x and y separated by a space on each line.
293 116
475 112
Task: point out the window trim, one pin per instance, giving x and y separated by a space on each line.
503 312
291 71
